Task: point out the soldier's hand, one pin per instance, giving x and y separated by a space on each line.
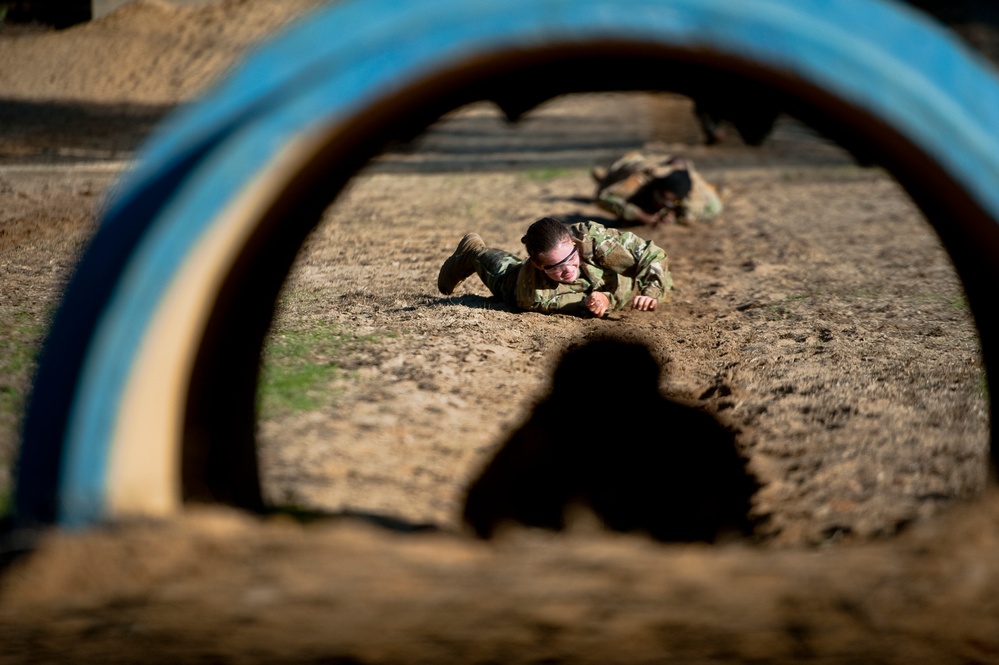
646 218
598 303
666 216
644 303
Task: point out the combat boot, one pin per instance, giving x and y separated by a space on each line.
598 173
461 264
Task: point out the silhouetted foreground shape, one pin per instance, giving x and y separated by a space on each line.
606 438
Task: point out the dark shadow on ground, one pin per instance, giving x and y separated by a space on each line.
74 132
609 222
543 141
473 301
605 438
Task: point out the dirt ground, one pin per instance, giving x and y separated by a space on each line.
818 318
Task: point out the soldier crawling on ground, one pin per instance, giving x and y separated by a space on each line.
572 269
638 189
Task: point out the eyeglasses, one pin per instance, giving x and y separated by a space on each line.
661 199
556 265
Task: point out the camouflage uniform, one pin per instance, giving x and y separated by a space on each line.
617 263
621 192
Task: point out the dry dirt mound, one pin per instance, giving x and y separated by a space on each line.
145 52
833 339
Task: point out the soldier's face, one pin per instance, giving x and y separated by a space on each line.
561 263
665 198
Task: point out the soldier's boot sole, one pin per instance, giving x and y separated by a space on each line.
461 264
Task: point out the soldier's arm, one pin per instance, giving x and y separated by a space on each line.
619 206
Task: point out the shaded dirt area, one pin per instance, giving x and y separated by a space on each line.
818 318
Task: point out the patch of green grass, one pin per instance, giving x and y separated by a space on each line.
960 303
546 174
20 337
299 367
21 334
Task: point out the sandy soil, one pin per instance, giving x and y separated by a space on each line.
818 318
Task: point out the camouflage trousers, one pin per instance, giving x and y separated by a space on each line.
498 270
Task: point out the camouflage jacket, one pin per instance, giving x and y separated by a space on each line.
617 263
616 193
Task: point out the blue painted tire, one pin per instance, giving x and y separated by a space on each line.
144 395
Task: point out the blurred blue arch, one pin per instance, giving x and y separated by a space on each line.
126 419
